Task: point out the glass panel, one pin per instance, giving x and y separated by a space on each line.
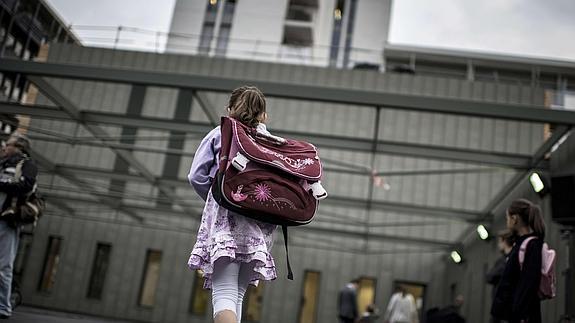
51 262
366 293
200 296
206 38
151 277
99 270
223 39
310 297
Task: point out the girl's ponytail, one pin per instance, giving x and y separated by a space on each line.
536 221
530 214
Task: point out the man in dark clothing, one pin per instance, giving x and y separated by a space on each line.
505 240
12 189
347 302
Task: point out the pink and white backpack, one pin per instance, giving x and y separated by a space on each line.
547 286
267 178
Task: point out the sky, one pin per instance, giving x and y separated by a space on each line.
541 28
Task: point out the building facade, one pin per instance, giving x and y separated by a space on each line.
339 33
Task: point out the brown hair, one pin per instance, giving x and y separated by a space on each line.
247 104
530 214
507 236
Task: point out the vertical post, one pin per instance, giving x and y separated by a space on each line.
157 41
470 71
117 39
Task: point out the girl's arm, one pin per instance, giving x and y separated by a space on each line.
205 163
529 278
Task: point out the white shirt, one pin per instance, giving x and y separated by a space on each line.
401 308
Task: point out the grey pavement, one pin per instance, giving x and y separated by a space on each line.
25 314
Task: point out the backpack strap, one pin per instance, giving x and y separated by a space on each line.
522 250
290 273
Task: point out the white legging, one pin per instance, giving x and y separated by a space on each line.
229 283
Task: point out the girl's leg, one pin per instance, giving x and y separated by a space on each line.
225 290
244 278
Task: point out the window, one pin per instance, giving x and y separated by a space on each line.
200 296
336 34
99 270
252 310
223 39
349 35
366 293
51 262
206 38
308 310
150 278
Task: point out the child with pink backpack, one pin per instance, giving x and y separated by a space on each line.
251 181
529 274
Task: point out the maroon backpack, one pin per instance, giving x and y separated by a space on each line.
267 178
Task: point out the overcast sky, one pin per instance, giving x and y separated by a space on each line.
523 27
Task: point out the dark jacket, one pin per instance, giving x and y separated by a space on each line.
494 275
12 187
347 303
516 297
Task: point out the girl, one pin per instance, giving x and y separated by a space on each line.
516 298
231 250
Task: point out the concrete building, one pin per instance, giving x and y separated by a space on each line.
25 25
340 33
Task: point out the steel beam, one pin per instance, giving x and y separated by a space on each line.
328 141
76 114
340 95
85 185
312 228
434 212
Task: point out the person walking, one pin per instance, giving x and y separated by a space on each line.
347 302
231 250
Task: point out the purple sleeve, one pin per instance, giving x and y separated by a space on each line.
205 163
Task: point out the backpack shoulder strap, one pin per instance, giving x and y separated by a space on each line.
290 273
18 170
522 250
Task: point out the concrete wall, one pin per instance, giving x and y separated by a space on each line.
338 258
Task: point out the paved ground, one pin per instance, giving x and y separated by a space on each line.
24 314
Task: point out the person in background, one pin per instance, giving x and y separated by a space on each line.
347 302
401 307
370 315
12 188
505 241
448 314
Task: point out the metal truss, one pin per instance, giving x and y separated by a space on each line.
198 84
358 203
342 95
516 161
